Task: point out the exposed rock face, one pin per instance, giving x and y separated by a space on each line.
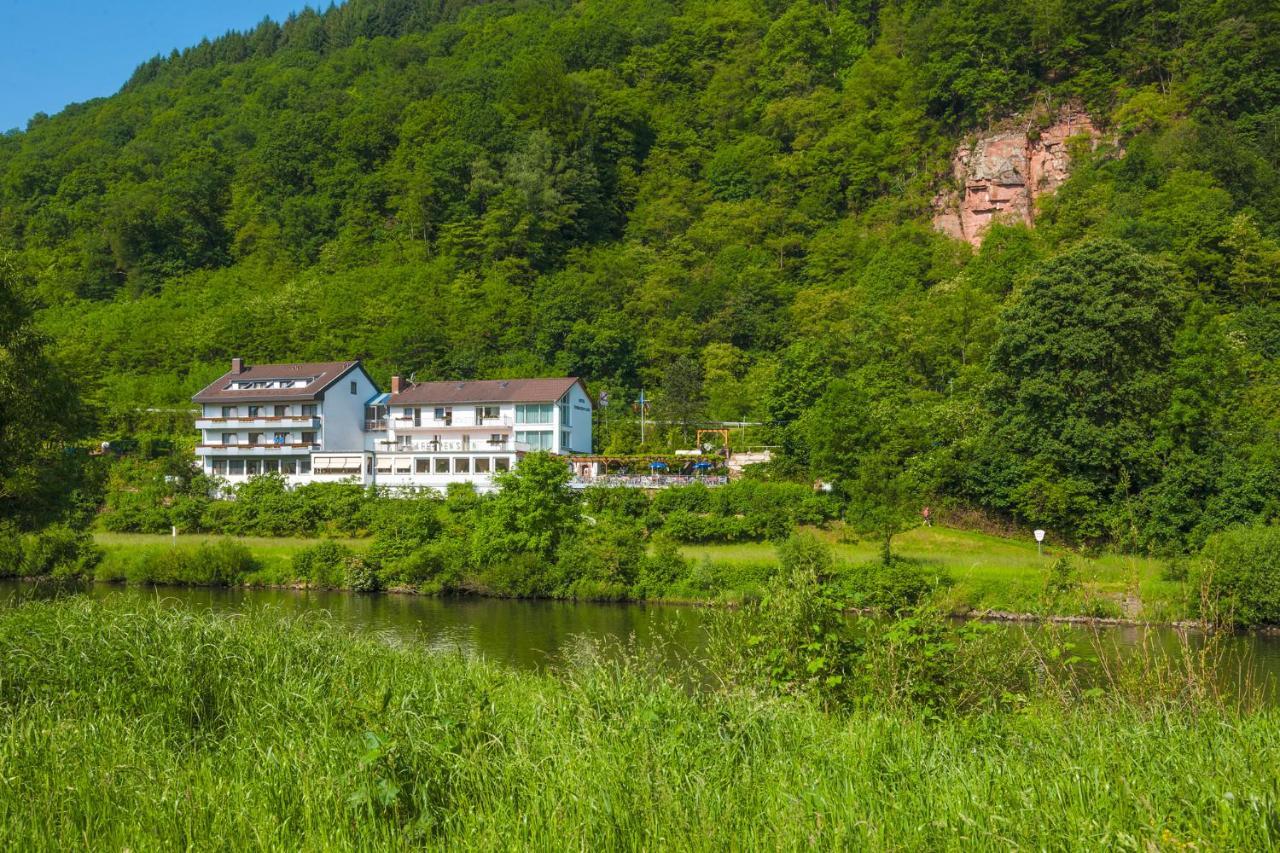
1002 174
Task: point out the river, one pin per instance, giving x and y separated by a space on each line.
537 634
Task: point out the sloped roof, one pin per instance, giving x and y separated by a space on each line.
485 391
319 376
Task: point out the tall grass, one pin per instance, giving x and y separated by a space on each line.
149 727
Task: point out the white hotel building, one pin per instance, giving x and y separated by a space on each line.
328 422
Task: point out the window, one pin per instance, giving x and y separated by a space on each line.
308 438
255 438
288 466
355 387
271 466
564 411
310 410
280 438
565 439
252 467
220 467
282 411
254 411
461 465
230 412
422 466
368 465
235 467
304 465
384 464
230 438
533 413
498 439
501 463
444 413
539 440
482 464
442 465
403 465
486 413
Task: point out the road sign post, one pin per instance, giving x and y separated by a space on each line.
1039 542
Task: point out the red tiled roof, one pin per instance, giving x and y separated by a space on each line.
485 391
320 374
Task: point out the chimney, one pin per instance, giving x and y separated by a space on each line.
237 365
395 385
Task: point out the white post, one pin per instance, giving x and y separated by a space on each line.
1039 542
174 528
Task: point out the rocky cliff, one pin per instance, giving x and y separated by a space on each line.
1001 174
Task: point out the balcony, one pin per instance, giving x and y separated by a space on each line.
262 421
271 449
407 425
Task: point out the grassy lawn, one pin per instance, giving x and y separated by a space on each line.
275 553
996 573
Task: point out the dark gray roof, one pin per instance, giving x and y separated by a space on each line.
319 376
485 391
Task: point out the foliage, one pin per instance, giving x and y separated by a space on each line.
323 564
220 563
60 552
1240 570
894 587
532 513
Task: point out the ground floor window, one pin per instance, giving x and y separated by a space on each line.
220 467
462 465
422 466
442 465
482 465
565 439
252 467
304 465
271 466
288 466
502 463
402 466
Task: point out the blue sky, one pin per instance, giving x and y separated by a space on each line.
58 52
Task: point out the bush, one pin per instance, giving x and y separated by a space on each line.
608 554
61 552
363 574
323 564
1062 578
10 551
1240 572
661 570
222 563
894 587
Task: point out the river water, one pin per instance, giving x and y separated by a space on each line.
537 634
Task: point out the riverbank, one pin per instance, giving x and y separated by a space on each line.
983 573
190 728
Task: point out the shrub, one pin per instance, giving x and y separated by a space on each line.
323 564
363 574
661 570
605 557
1240 572
893 587
10 551
1062 578
222 563
624 503
519 575
61 552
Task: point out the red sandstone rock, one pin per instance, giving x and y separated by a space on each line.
1002 174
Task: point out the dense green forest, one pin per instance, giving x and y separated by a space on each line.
725 203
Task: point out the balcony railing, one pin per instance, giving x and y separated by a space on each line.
264 449
264 421
431 424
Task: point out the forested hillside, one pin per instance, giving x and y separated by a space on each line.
726 203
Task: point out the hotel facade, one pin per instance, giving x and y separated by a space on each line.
329 422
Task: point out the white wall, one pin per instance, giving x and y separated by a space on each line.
579 420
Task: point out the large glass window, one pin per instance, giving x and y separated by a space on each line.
501 463
271 466
422 466
536 440
442 465
220 467
403 464
565 439
533 413
304 465
564 411
482 464
461 465
252 467
288 466
486 413
235 467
